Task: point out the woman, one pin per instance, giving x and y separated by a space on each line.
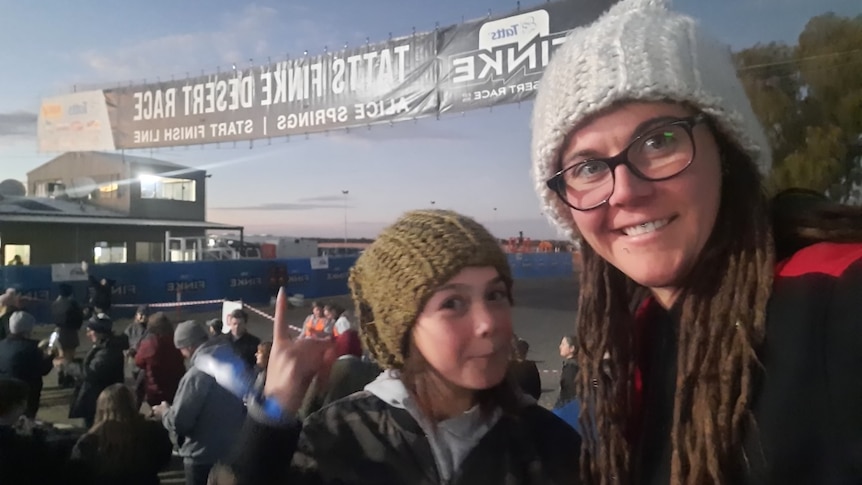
122 448
433 295
524 372
741 366
569 372
102 367
349 374
261 360
162 364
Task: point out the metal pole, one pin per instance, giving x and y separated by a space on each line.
345 192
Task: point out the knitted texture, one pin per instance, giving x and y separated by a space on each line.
396 276
637 51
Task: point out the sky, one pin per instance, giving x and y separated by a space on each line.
476 163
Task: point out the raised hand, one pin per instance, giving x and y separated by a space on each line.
293 364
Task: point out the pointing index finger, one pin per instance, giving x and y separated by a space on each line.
280 327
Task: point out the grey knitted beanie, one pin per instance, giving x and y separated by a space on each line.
639 50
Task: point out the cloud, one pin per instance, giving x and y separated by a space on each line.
18 123
240 36
324 198
281 206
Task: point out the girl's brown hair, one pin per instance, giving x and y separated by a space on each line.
722 325
116 427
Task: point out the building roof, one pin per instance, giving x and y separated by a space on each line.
124 158
61 211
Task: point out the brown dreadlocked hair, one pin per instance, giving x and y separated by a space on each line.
722 324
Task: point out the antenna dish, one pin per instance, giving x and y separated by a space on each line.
12 188
80 188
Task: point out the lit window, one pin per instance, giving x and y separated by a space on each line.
155 187
105 252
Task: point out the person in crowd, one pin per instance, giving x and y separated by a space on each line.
569 372
122 447
205 415
349 374
25 457
161 364
68 318
646 150
524 372
16 261
100 290
261 360
244 343
433 295
337 315
102 367
315 323
214 327
9 304
136 331
21 358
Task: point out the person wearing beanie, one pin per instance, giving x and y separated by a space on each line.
204 415
9 304
433 298
103 366
21 358
696 337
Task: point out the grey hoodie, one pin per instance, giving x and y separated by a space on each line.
451 440
207 415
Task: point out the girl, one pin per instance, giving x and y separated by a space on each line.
122 447
433 296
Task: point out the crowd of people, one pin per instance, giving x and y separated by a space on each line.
706 303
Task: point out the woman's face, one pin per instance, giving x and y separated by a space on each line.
684 207
465 330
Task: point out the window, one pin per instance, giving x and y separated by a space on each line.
49 189
155 187
149 252
16 254
110 189
105 252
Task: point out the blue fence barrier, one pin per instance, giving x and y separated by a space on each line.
252 281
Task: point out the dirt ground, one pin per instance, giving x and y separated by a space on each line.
544 312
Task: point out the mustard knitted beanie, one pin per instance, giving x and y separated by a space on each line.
395 277
639 50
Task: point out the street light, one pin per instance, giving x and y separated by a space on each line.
345 192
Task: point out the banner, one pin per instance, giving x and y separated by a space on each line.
377 83
478 64
500 60
67 272
75 122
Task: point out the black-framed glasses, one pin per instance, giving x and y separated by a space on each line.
659 154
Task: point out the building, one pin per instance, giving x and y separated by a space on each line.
107 208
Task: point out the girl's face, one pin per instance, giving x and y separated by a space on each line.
327 313
465 330
261 357
651 231
566 350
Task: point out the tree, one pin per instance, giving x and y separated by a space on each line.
809 99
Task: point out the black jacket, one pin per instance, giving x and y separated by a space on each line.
567 382
20 358
525 375
246 347
103 366
67 313
807 402
363 440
